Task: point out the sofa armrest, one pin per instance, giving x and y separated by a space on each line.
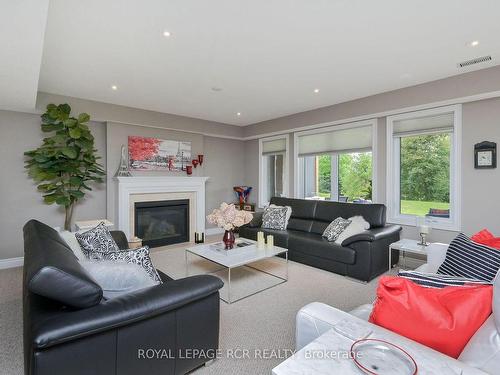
123 310
256 221
120 239
373 234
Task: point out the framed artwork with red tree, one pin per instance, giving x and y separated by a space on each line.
153 154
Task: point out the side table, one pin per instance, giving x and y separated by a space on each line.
407 246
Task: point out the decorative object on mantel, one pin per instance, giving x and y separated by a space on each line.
229 218
189 169
485 155
66 163
200 159
199 237
152 154
195 162
123 170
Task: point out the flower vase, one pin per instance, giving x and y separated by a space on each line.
228 239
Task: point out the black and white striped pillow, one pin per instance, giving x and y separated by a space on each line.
432 280
466 258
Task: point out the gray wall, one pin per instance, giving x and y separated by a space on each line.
225 165
20 201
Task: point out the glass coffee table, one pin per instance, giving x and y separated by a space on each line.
239 257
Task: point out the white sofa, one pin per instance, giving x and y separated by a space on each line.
482 351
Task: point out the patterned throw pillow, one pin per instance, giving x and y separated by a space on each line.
337 226
96 239
432 280
138 256
275 218
465 258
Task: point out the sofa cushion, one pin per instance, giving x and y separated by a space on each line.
335 228
358 225
275 218
442 319
52 270
314 244
118 278
466 258
96 239
138 256
372 213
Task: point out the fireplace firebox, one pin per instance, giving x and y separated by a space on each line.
161 223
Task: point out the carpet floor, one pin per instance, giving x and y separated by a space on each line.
263 323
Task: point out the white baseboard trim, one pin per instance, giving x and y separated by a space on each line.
213 231
11 262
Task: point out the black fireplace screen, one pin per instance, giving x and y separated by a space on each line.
162 223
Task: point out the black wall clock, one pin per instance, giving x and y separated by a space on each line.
485 155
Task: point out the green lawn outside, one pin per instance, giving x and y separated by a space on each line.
421 208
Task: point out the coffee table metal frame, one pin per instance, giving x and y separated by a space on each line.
244 263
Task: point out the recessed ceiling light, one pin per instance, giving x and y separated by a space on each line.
238 114
166 34
114 87
216 89
316 91
474 43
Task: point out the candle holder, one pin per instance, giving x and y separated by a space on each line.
189 169
199 237
200 159
423 239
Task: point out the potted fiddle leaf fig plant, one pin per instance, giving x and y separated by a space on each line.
66 163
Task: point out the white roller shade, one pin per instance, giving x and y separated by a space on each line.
442 122
336 141
274 146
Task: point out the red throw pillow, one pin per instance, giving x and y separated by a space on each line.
442 319
485 237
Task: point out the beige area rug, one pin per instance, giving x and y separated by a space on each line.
263 324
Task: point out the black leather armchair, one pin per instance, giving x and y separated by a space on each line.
150 331
363 256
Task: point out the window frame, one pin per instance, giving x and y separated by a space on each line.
286 173
394 215
373 123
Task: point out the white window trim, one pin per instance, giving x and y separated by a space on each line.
393 184
286 171
372 122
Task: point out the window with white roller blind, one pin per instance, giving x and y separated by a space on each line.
423 167
273 168
335 163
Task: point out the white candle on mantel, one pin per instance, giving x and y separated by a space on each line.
424 229
270 241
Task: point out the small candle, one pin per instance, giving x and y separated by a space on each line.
270 241
261 243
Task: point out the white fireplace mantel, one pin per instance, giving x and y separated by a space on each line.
128 186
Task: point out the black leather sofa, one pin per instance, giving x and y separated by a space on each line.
363 257
152 331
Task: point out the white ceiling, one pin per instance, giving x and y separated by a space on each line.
22 26
267 55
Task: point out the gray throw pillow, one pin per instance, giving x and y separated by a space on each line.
138 256
335 228
96 239
117 278
275 218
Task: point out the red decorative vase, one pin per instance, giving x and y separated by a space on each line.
228 239
189 169
195 162
200 159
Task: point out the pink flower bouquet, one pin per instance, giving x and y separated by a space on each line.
228 217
